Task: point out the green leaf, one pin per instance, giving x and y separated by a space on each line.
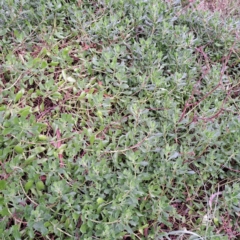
4 212
28 185
18 149
16 233
64 75
54 63
39 226
84 228
29 160
92 139
42 137
19 95
100 201
3 184
3 108
39 149
24 112
43 64
40 185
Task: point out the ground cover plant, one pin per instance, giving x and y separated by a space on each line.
118 120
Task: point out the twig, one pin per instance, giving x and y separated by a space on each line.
79 223
27 195
127 149
212 198
231 169
223 69
13 83
65 232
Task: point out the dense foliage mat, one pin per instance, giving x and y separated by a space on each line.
118 120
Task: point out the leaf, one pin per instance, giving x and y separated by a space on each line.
24 112
19 95
100 201
40 185
92 139
56 95
39 226
71 79
64 75
82 95
29 160
84 228
28 185
144 163
175 155
4 212
3 184
42 137
43 64
15 232
54 63
124 86
62 148
18 149
3 108
39 149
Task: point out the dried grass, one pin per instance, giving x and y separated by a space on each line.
226 8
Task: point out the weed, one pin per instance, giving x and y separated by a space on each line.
118 120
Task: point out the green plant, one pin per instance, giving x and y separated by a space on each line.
119 120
